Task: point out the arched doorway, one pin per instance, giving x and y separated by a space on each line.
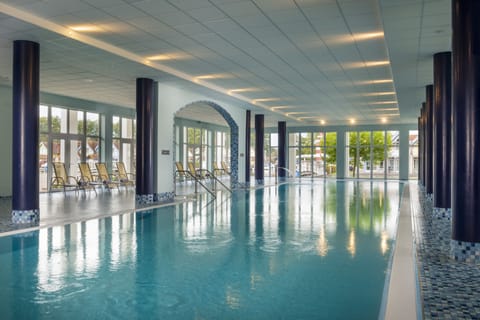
225 115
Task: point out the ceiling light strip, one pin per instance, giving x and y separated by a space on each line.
69 33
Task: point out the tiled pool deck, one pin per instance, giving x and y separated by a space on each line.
449 289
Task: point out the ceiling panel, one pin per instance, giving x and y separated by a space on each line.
298 53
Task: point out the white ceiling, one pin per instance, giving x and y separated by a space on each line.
315 59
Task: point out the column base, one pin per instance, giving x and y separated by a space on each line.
25 216
426 202
429 197
442 213
240 185
465 251
259 182
145 199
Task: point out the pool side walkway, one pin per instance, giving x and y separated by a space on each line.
402 290
59 209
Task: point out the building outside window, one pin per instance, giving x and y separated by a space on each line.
372 154
123 142
68 136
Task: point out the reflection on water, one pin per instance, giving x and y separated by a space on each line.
292 251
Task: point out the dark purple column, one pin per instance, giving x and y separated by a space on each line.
145 192
429 140
26 100
442 136
419 169
282 149
259 141
466 130
248 129
422 117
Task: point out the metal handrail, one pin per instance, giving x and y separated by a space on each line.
276 172
197 180
210 174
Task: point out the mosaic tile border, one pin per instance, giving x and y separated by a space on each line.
429 197
164 197
244 185
448 288
468 252
25 216
233 140
442 213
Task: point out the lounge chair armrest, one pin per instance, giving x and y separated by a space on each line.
83 179
72 179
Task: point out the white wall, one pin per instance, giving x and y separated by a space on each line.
6 141
170 100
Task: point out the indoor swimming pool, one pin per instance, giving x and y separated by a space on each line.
318 250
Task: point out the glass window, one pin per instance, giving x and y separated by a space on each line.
319 153
93 150
378 140
393 156
413 162
127 128
352 154
93 124
43 125
115 150
76 122
330 154
59 120
115 127
364 161
127 156
43 162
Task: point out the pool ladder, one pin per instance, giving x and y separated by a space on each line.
199 177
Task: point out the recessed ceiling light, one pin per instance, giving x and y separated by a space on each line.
367 35
376 63
298 112
86 28
159 57
312 117
167 56
350 38
242 90
322 121
362 64
384 120
382 81
265 100
213 76
379 93
352 121
384 102
385 109
379 81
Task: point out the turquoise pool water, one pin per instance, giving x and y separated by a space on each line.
298 251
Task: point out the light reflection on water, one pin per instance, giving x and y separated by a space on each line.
292 251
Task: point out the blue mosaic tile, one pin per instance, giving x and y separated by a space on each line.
25 216
233 141
465 251
448 288
442 213
145 199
